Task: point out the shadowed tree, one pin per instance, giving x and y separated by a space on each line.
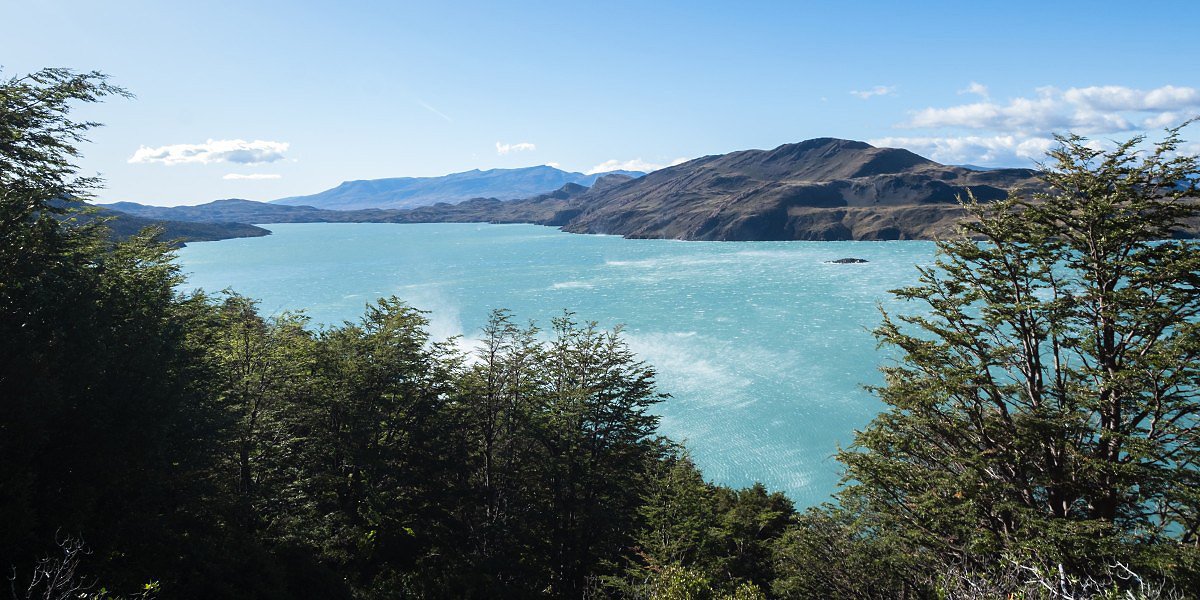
1045 403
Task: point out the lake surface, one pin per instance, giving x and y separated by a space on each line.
763 346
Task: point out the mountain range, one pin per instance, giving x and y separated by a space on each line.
820 189
410 192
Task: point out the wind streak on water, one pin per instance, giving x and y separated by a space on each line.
763 346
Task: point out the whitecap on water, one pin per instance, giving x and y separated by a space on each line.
763 353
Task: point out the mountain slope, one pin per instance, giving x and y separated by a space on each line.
243 211
410 192
182 232
177 232
821 189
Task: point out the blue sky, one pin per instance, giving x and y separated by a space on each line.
263 100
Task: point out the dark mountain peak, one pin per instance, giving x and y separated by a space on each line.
814 149
828 144
610 180
892 160
820 159
567 191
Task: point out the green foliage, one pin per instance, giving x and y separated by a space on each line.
679 583
841 552
1043 412
1046 404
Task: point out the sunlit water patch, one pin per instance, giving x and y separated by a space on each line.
763 346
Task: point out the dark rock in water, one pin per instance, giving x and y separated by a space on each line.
846 261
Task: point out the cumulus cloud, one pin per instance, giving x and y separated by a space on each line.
636 164
879 90
503 149
1115 97
1190 149
1088 110
975 88
1006 150
213 151
238 176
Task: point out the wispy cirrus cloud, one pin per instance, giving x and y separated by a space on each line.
879 90
213 151
242 176
503 149
636 164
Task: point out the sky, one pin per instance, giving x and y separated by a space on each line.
269 99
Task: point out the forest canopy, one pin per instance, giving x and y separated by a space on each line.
1039 438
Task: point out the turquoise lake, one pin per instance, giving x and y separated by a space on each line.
763 346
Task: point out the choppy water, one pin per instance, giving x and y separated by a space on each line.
762 345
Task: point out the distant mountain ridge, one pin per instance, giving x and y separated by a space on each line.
177 232
820 189
411 192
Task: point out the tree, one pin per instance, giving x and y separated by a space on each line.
108 429
505 514
262 367
837 551
599 440
1045 403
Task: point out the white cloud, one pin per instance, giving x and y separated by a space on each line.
636 164
1115 97
1005 150
975 88
213 151
1163 120
554 164
1088 110
879 90
237 176
503 149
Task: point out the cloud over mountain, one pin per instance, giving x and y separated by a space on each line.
1003 149
1088 110
503 149
636 164
1020 130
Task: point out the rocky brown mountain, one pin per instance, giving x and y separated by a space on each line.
820 189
